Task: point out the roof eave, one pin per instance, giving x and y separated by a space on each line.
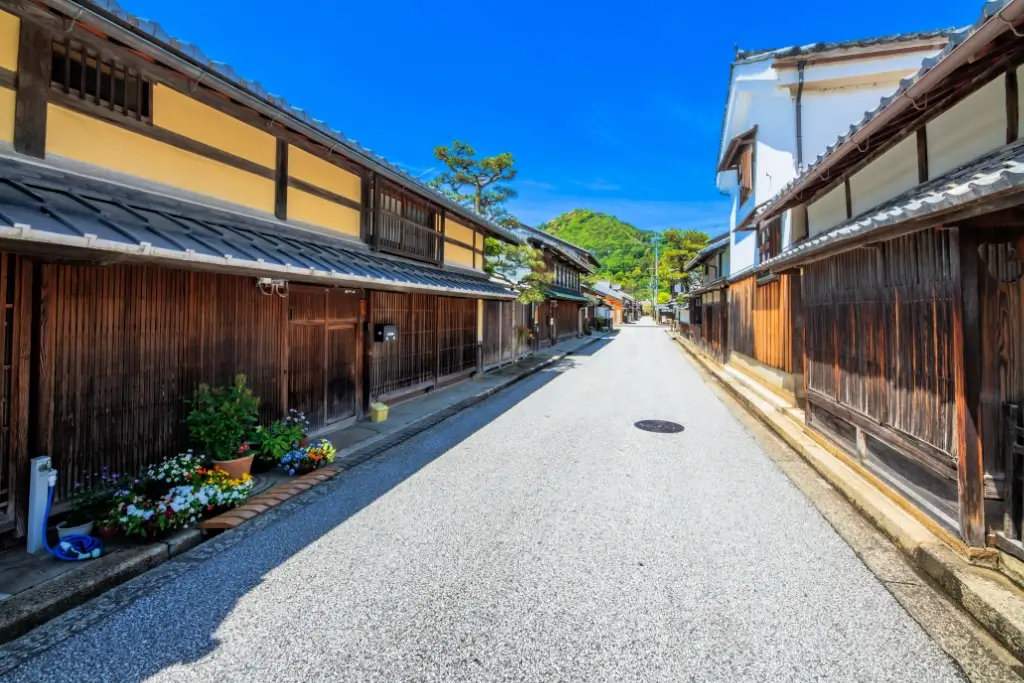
122 29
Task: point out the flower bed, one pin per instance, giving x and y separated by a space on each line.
174 495
314 456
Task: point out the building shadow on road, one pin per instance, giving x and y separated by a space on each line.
200 585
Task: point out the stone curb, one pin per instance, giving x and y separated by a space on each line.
966 577
34 607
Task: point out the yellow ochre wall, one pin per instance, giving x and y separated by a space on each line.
453 253
10 28
323 174
86 139
460 255
193 119
303 206
6 114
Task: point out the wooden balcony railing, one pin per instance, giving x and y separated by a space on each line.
401 236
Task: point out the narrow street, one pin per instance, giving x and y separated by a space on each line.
538 536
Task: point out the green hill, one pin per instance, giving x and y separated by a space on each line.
625 252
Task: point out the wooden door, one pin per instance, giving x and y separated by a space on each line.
324 363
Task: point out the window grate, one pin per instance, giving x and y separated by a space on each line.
85 73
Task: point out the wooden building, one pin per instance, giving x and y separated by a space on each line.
164 222
908 240
560 316
709 310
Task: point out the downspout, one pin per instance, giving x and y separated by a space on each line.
800 117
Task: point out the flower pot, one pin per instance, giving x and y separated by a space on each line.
107 532
81 530
303 442
237 467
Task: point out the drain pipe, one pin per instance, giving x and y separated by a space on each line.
800 117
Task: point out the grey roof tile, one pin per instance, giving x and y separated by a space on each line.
999 171
43 204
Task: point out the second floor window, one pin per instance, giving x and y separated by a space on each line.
91 77
407 226
769 239
745 173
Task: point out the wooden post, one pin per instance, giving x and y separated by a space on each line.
281 181
35 52
367 324
967 383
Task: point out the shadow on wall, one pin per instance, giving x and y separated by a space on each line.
188 598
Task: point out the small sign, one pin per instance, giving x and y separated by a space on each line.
385 333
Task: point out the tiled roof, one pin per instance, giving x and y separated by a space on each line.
999 171
41 205
956 38
713 246
556 292
154 34
717 283
567 250
750 56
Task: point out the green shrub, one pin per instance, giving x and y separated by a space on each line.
222 418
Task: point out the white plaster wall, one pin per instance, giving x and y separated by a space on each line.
880 70
886 177
970 129
827 114
742 250
827 212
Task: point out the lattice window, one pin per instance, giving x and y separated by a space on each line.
769 242
93 77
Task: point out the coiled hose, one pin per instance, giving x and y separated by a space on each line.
71 548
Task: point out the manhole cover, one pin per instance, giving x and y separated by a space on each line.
659 426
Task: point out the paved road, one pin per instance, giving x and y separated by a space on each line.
535 537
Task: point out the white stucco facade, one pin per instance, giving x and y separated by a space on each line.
839 86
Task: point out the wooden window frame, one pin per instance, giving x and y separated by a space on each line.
92 76
769 239
745 173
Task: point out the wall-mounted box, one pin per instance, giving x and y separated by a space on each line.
385 333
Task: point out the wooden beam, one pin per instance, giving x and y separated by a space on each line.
922 154
44 303
35 52
8 78
326 195
967 385
1012 107
281 181
849 198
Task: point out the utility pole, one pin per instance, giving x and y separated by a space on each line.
654 284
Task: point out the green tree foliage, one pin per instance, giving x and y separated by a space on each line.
520 266
482 184
664 297
678 247
626 253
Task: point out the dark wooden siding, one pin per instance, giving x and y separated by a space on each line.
878 336
1001 291
712 333
764 320
567 320
502 341
458 330
544 327
124 346
410 362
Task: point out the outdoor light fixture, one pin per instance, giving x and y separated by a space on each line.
271 286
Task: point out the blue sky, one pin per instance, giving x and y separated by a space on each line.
614 107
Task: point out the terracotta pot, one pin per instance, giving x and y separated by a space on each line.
237 467
107 532
80 530
303 442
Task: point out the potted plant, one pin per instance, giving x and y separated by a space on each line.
296 420
304 460
221 420
270 444
91 501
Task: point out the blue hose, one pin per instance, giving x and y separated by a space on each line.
71 548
